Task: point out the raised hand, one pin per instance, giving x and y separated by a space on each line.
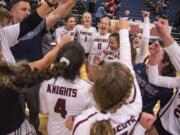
145 14
65 39
162 27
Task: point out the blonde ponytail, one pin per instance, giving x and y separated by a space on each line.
102 128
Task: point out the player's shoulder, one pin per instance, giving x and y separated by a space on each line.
78 27
86 83
86 114
93 29
60 29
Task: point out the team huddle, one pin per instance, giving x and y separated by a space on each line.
126 77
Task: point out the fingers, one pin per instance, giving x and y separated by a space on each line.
145 14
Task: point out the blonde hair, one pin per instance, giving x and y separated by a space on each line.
111 90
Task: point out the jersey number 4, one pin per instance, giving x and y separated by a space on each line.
60 107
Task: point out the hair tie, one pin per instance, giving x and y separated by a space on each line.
103 116
65 60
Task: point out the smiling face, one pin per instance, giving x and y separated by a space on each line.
113 43
87 19
104 25
71 23
137 40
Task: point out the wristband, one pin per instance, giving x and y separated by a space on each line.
50 4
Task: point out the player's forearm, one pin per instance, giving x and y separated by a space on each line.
168 40
44 9
58 13
48 59
173 51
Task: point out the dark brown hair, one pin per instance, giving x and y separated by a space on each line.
67 17
15 2
168 69
15 77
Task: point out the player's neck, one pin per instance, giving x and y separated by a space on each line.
87 26
67 28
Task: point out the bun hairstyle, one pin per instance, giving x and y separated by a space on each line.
69 60
111 90
73 52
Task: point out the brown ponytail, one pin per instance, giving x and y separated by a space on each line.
15 77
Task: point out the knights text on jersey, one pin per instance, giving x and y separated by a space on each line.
62 98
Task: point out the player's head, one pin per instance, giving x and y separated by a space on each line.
165 66
69 22
69 61
87 19
114 41
104 25
137 40
111 90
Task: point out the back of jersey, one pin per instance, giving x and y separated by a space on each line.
62 98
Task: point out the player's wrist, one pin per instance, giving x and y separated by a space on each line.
50 3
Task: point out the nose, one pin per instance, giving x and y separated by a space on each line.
27 13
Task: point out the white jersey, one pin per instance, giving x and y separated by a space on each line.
63 98
174 55
125 118
84 36
112 54
100 42
62 31
8 38
169 114
123 121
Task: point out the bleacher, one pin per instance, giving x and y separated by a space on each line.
135 7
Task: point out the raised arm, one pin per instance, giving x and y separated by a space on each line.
171 47
153 74
50 57
125 49
59 12
145 38
156 79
